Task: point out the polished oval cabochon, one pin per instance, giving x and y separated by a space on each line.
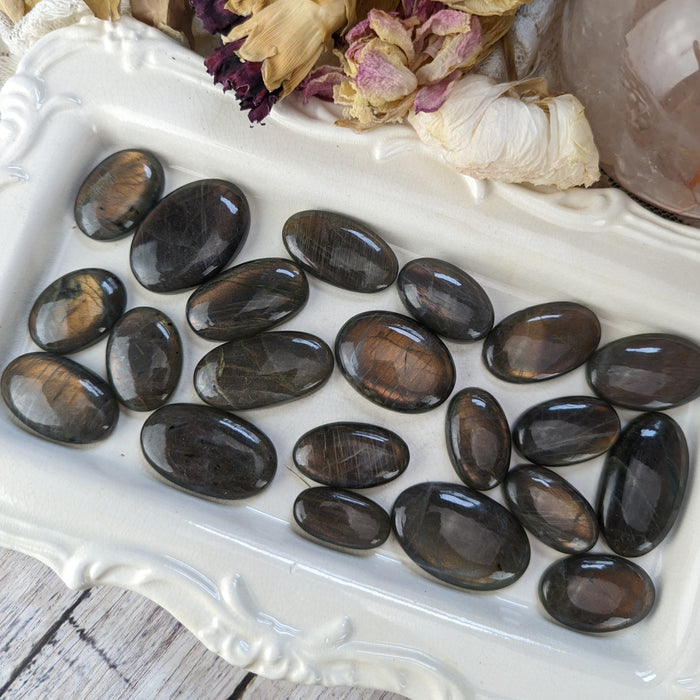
118 193
541 342
341 518
460 535
208 451
340 250
59 398
190 235
394 361
351 455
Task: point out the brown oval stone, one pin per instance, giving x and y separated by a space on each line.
394 361
144 358
596 592
478 438
58 398
351 455
118 193
551 508
263 370
541 342
460 535
190 235
566 430
340 250
643 484
650 371
76 310
247 299
446 299
208 451
341 518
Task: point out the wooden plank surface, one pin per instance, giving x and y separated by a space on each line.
107 643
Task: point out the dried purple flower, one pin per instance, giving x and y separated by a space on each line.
216 19
244 78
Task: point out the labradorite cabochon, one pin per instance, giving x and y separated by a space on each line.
59 398
351 455
541 342
340 250
190 235
76 310
394 361
247 299
118 193
643 484
646 372
460 535
596 592
551 508
341 518
264 370
566 430
144 358
446 299
208 451
478 438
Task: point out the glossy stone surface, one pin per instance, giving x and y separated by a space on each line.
351 455
566 430
263 370
341 518
144 358
208 451
460 535
642 484
596 592
541 342
551 508
59 398
394 361
118 193
76 310
340 250
478 438
650 371
190 235
247 299
446 299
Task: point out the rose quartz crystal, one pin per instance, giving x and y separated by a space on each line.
635 66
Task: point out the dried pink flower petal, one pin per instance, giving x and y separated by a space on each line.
394 65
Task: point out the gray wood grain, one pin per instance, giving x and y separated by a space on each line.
109 643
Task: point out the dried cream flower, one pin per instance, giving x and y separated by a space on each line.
512 132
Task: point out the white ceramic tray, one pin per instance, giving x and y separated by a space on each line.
239 575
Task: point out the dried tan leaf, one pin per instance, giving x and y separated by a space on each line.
246 7
175 14
14 9
104 9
